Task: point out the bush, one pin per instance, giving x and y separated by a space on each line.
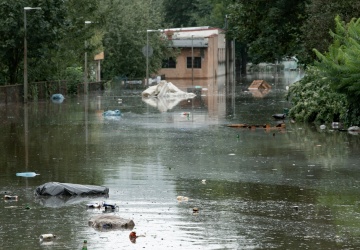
315 101
73 76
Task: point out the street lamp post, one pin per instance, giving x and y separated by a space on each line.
25 54
147 53
192 60
85 66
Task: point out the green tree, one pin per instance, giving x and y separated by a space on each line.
55 38
211 12
180 13
191 13
313 100
44 27
70 47
270 30
320 20
125 36
340 65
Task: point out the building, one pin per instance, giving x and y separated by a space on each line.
206 46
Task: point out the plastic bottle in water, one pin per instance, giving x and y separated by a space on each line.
27 174
84 245
47 237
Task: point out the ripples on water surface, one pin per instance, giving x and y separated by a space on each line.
296 188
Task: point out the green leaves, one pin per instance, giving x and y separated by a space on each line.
269 28
314 101
341 62
320 19
331 88
55 37
126 35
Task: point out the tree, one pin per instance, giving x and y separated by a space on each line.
270 30
180 13
70 46
43 28
315 101
319 22
126 35
211 12
191 13
55 37
341 65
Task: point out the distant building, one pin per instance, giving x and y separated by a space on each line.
98 58
205 45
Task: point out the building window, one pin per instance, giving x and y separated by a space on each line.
197 62
169 63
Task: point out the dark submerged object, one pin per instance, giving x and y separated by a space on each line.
70 189
109 206
279 116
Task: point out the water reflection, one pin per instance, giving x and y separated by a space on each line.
164 104
288 189
60 201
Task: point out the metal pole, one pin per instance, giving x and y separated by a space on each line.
85 65
25 61
25 54
85 71
147 57
192 60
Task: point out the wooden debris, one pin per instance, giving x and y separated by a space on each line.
265 126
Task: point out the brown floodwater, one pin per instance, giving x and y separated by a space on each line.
291 188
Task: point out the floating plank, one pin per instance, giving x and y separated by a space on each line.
265 126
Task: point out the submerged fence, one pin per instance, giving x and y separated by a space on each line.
43 90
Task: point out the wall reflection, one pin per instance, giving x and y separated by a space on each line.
214 98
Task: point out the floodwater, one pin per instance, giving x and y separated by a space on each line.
291 188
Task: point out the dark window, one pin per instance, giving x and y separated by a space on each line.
169 63
197 62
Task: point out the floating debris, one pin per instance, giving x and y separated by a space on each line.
11 197
57 98
47 237
112 113
11 207
132 237
115 221
109 206
93 205
354 128
254 126
27 174
182 198
336 125
84 245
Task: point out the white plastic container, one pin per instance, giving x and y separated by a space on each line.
47 236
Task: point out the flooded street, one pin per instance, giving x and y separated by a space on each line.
291 188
